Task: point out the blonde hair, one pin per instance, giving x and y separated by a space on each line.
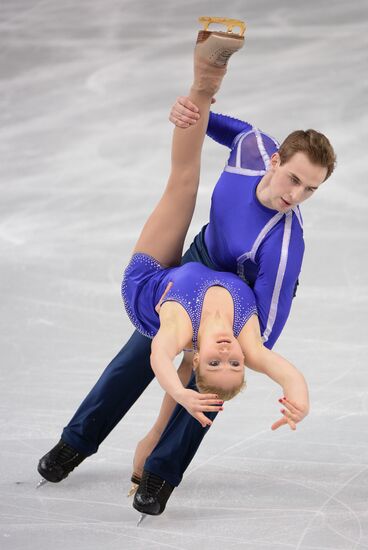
223 394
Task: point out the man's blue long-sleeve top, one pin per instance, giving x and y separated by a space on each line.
263 246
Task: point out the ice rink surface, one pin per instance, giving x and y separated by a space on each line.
85 92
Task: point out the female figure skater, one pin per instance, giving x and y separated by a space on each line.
193 307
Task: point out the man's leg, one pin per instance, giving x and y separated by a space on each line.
166 465
119 386
178 444
146 445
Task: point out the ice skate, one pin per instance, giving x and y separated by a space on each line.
57 464
217 47
152 494
211 54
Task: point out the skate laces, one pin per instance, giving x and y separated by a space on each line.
152 483
65 454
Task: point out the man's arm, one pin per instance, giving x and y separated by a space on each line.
279 263
224 129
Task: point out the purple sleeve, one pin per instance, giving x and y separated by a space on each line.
224 129
279 268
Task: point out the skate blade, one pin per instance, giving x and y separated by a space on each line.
41 482
143 516
132 490
230 23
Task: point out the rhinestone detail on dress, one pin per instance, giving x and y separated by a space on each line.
243 308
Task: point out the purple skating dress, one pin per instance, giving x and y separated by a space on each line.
145 281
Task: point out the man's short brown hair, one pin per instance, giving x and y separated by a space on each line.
314 144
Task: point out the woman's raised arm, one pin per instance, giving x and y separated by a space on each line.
166 345
257 357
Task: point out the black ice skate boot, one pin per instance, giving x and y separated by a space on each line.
57 464
152 494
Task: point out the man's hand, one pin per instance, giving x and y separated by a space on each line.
292 414
197 403
184 113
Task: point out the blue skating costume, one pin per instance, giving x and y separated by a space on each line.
145 281
263 246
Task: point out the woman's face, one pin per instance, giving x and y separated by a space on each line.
220 360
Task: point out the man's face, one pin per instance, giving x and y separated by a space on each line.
293 182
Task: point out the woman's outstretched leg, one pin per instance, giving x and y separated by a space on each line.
156 486
165 230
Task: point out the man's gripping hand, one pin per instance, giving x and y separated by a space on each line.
184 113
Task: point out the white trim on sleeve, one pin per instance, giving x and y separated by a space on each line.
252 253
244 171
261 148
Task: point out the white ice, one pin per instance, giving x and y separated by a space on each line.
85 91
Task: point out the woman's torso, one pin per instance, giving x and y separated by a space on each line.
145 282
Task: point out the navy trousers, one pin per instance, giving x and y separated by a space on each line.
118 388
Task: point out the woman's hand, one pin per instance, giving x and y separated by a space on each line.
197 403
184 113
292 414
